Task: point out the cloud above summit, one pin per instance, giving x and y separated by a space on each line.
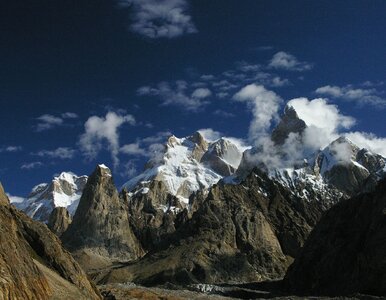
324 121
264 105
100 130
160 18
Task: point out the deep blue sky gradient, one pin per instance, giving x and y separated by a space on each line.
79 56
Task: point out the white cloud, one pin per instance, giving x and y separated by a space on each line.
103 129
223 113
48 121
350 93
10 149
130 170
209 134
324 121
264 105
277 81
31 165
160 18
61 152
201 93
69 115
15 199
285 61
369 141
207 77
133 149
177 95
157 138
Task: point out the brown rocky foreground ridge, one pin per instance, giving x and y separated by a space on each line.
33 264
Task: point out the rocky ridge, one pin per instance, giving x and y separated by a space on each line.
33 264
345 253
239 233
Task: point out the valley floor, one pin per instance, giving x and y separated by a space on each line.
201 291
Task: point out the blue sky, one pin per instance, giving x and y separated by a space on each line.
83 82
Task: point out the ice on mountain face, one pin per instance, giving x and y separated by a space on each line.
182 166
64 190
340 169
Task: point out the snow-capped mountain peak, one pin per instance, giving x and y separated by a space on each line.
189 164
64 190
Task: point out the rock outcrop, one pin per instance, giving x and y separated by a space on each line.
346 252
3 197
59 220
152 212
239 233
100 231
289 123
33 264
223 157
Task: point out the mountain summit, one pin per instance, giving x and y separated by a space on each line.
64 190
100 229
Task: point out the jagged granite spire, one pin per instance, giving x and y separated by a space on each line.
100 227
290 122
59 220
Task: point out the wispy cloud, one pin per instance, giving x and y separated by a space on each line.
223 113
15 199
369 141
10 149
324 121
210 134
264 105
286 61
61 153
361 96
99 130
48 121
31 165
133 149
178 94
160 18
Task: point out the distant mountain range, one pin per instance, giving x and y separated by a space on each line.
215 212
190 164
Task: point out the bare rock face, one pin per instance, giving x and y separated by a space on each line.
201 145
152 212
238 233
223 157
3 197
33 264
100 227
346 252
289 123
59 220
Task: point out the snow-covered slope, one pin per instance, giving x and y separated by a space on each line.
188 164
341 169
64 190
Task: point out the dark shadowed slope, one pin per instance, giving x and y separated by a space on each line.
346 252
